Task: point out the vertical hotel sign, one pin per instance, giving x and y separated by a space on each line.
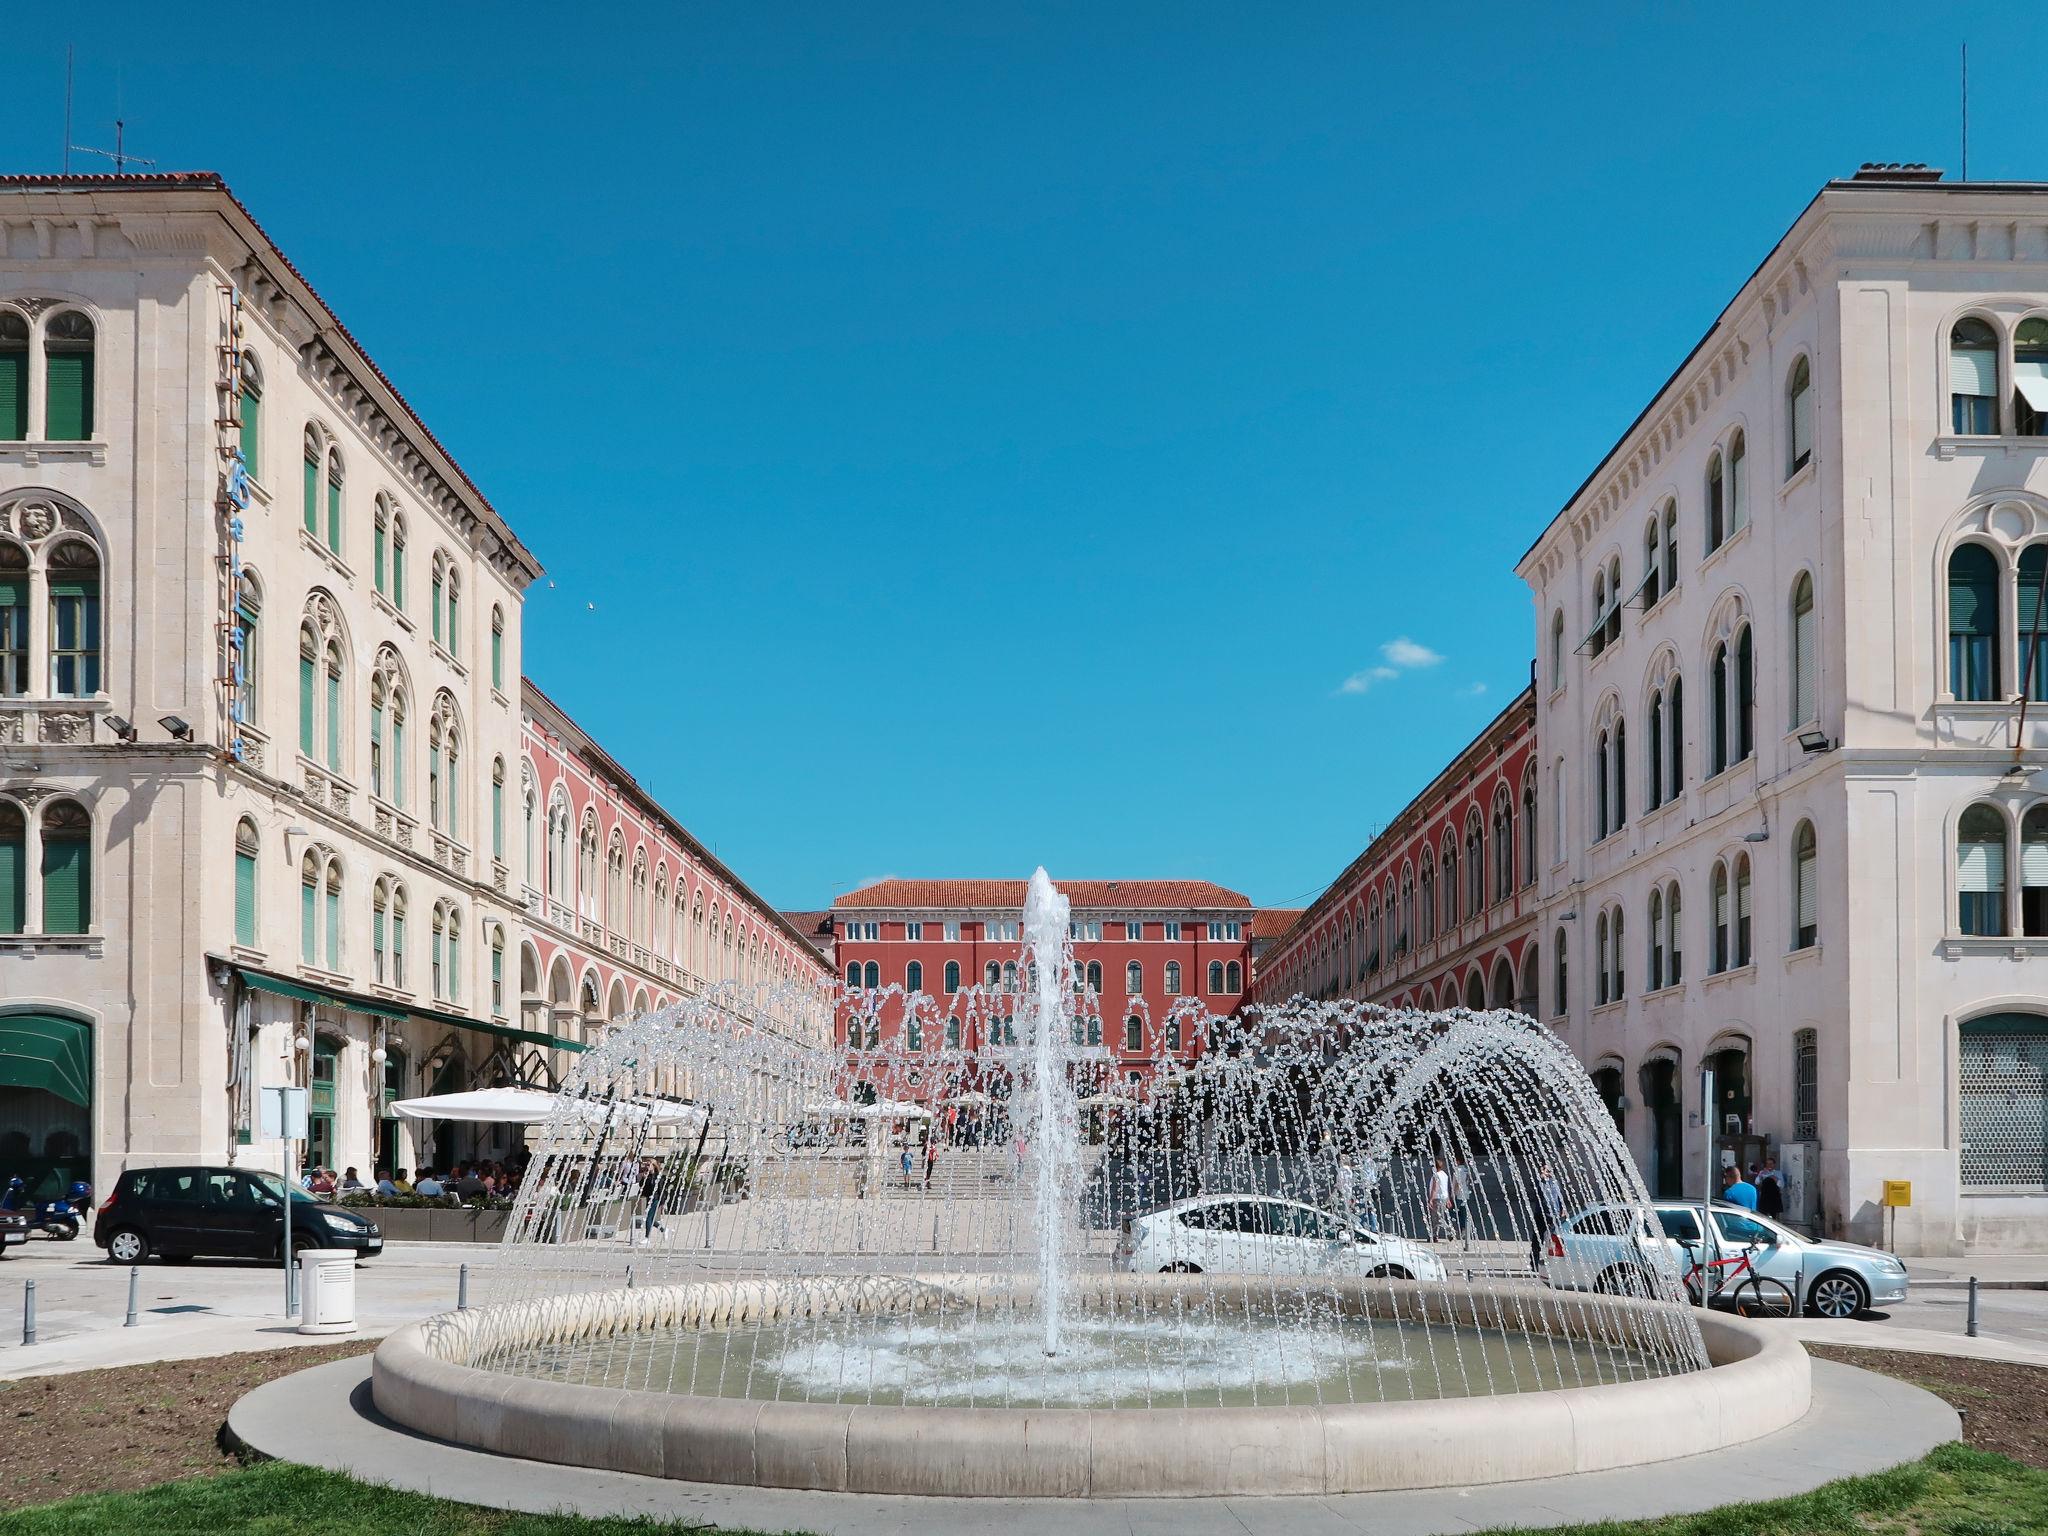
231 503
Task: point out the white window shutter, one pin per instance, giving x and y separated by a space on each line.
2034 862
1980 867
1806 669
1973 371
1809 892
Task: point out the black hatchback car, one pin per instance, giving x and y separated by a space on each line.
181 1213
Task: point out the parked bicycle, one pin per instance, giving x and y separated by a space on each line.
1734 1283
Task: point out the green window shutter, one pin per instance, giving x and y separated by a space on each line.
308 901
245 899
252 434
13 882
377 558
398 575
309 680
497 821
436 605
333 722
13 396
377 930
67 882
68 409
312 509
2032 562
398 763
498 658
334 515
334 930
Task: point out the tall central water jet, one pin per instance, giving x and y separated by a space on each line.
1055 1143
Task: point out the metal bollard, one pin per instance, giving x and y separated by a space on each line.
133 1271
462 1290
1970 1327
28 1314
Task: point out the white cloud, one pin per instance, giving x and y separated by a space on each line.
1400 655
1359 682
1475 690
1405 653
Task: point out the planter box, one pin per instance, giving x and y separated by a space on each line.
432 1224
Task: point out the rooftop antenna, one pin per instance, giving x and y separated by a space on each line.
1966 112
118 154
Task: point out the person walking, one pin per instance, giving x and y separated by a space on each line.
931 1160
1736 1190
1550 1203
1439 1202
1461 1199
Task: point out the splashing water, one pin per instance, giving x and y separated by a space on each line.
924 1207
1055 1141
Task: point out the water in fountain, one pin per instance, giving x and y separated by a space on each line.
915 1207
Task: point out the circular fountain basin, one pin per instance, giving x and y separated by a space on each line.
1515 1408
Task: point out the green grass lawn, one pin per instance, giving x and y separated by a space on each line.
1953 1492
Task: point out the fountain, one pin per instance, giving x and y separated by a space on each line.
1288 1252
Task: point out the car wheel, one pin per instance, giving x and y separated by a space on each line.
1837 1294
1623 1280
1388 1272
127 1246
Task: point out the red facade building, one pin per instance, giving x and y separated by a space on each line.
1140 947
1440 910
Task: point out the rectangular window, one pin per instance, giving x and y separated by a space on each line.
74 637
309 924
1134 931
914 932
497 820
245 899
434 604
497 981
497 658
377 541
1173 933
13 634
334 721
67 882
953 933
311 509
333 928
252 435
13 390
379 954
334 514
68 410
1215 933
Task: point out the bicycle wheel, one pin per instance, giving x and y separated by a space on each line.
1761 1296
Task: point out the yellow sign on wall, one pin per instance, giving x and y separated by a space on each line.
1898 1191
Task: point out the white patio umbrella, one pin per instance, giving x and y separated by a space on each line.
529 1106
881 1109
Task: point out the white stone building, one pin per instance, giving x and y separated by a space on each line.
259 738
1793 824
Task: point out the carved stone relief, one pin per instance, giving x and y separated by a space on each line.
66 727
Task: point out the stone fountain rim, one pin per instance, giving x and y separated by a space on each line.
1759 1382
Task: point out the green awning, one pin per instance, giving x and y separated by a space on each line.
40 1050
378 1008
277 986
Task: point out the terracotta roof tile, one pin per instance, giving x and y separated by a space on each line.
1087 895
1272 922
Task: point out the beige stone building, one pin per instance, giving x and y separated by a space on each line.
1794 809
259 718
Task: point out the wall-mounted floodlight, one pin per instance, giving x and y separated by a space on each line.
1814 741
122 729
179 729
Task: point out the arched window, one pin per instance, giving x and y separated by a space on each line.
1134 1033
1799 418
1745 695
436 592
2030 378
1598 640
320 699
1503 849
1653 777
1973 378
1233 978
498 972
1717 502
587 892
1674 937
1602 944
1656 971
1720 746
1475 867
498 808
74 577
68 378
1475 992
1724 936
2034 872
852 974
397 593
380 546
1173 1038
615 884
2033 622
248 650
252 415
913 977
1805 888
1450 862
952 976
992 977
1620 772
1215 978
438 968
1653 561
558 846
13 376
67 868
1134 979
309 507
1674 773
1670 546
1980 872
1973 581
1561 976
871 976
1557 649
334 499
247 846
1738 483
1618 987
444 779
1805 658
380 933
320 908
497 648
1428 897
13 867
1743 952
1614 601
1173 978
1095 977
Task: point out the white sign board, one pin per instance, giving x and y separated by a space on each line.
281 1114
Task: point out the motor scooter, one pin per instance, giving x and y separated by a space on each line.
57 1219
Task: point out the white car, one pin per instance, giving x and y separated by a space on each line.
1257 1234
1611 1248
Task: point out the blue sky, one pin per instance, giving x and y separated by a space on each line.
993 435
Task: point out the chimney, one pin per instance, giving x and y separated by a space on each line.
1896 171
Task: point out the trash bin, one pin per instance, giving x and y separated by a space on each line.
327 1290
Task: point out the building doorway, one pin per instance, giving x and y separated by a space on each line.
320 1105
2003 1103
1667 1128
46 1082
